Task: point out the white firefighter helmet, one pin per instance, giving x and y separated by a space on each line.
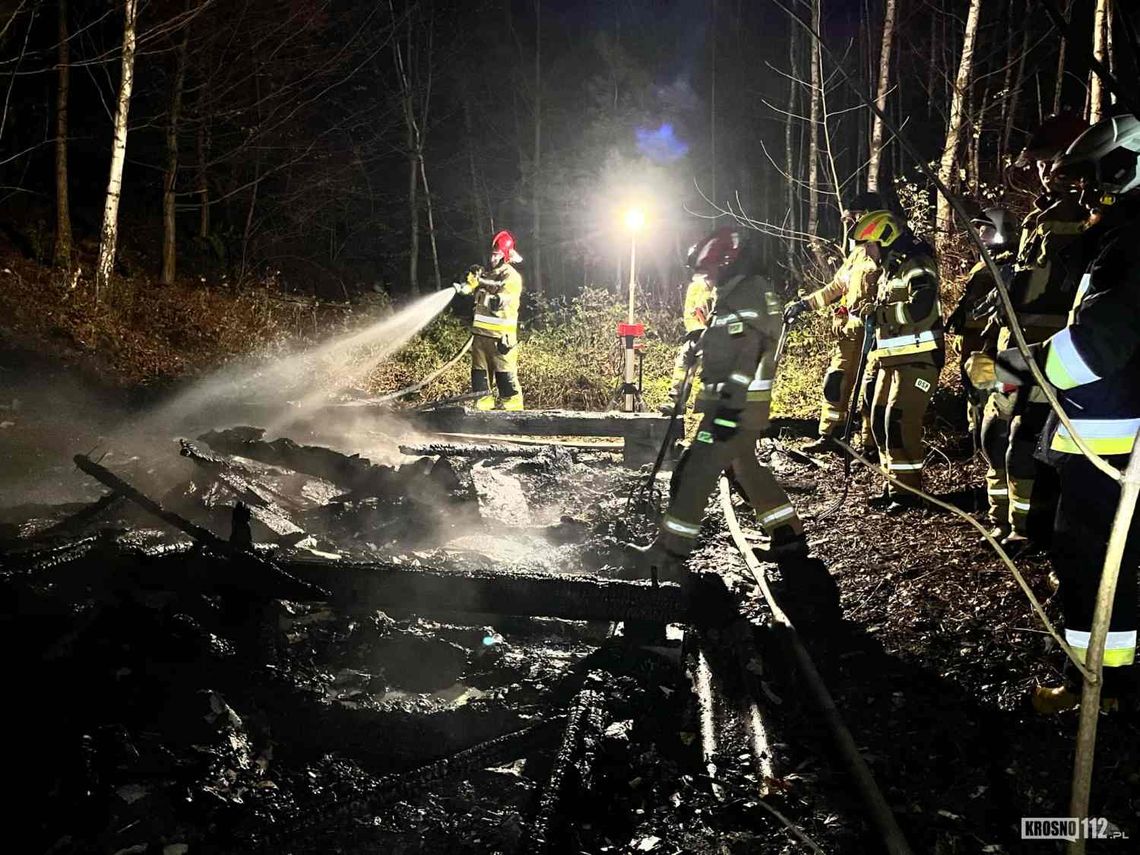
1105 157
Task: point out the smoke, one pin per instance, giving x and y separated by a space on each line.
47 416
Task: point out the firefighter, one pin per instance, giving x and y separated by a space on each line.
1021 491
1094 365
971 318
738 368
852 288
908 348
699 299
494 327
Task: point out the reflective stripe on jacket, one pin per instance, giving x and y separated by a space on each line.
506 282
1095 360
908 322
739 348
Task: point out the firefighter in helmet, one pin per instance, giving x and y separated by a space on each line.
908 348
699 299
850 290
1093 363
738 368
973 319
494 327
1048 266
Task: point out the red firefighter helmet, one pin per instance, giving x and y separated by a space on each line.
716 252
503 248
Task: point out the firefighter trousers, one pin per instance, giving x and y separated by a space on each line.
696 477
838 381
972 342
1022 491
1084 519
898 406
487 359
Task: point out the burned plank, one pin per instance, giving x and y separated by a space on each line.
261 573
388 586
262 503
456 449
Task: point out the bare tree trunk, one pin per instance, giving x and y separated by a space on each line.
876 153
962 85
536 189
202 143
1101 21
1018 83
789 142
477 210
431 224
1060 81
109 235
170 180
62 252
813 134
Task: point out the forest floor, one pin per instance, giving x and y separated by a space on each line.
152 721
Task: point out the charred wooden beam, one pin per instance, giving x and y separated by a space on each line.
643 432
260 575
572 771
456 449
428 591
358 474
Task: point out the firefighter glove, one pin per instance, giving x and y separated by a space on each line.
981 371
1012 369
726 421
505 345
794 309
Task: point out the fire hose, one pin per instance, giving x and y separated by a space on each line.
415 387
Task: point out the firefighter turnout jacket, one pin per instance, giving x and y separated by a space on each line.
1094 363
736 391
853 288
700 296
494 327
909 351
1050 261
497 296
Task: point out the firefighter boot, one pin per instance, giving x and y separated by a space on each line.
514 403
1051 700
785 545
821 445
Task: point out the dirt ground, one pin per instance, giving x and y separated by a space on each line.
159 714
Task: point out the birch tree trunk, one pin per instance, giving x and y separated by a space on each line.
170 179
1101 21
62 251
876 152
109 235
789 142
962 83
536 189
813 135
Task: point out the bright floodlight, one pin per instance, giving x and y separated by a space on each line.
634 219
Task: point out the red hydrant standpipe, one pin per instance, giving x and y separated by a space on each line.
629 333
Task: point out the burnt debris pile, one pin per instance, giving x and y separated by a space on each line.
295 649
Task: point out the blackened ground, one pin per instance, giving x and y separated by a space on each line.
931 651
